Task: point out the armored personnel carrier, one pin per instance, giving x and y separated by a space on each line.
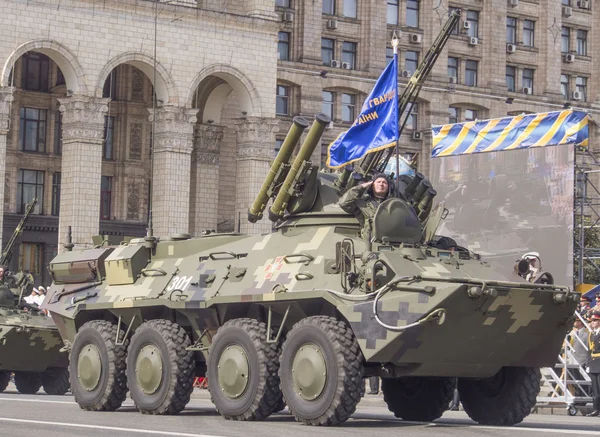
30 345
301 315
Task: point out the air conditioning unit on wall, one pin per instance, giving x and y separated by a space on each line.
332 24
577 95
453 80
346 65
415 38
335 63
569 57
287 17
511 48
567 11
526 90
473 41
417 136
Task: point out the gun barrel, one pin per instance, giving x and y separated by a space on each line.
255 212
308 147
10 246
410 190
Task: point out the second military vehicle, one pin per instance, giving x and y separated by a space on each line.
30 345
301 315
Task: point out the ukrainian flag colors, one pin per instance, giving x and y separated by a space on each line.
520 132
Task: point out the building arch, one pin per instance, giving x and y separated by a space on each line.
60 54
213 84
166 91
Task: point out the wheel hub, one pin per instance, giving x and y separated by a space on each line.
233 371
148 369
309 372
89 367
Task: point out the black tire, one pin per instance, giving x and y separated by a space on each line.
111 390
415 398
262 395
178 367
343 363
4 380
28 383
55 381
502 400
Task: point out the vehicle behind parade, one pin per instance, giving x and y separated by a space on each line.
30 345
300 316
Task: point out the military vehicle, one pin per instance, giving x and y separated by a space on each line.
300 316
30 345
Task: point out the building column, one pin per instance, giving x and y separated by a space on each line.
172 150
82 139
255 144
204 192
6 99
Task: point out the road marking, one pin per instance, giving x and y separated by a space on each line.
15 399
108 428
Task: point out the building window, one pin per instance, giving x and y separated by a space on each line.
32 130
109 129
582 36
55 193
412 13
30 258
412 118
389 55
349 8
470 115
511 30
58 133
528 78
60 78
453 67
283 46
581 87
411 60
30 184
455 29
511 76
278 144
329 7
392 11
565 39
471 73
473 19
564 85
327 50
566 2
452 115
110 86
105 197
348 107
283 100
282 3
35 69
528 33
327 105
349 53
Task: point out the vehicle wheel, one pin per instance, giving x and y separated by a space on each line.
160 368
422 399
321 371
28 383
572 410
4 380
243 371
55 381
505 399
97 367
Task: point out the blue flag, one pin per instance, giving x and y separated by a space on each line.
375 128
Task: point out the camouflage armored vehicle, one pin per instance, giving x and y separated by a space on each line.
301 315
30 345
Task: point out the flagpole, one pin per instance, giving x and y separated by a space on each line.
395 42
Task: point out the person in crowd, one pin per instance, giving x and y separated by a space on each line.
1 275
584 306
39 299
31 299
594 361
374 385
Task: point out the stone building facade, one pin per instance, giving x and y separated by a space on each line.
82 83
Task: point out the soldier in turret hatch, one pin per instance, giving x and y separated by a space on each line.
363 200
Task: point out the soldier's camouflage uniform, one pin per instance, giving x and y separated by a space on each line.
361 202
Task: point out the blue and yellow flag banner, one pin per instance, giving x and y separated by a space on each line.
508 133
375 128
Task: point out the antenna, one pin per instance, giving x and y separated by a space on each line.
149 230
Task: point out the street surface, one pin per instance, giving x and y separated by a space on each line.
60 416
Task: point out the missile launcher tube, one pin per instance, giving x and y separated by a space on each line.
255 212
308 147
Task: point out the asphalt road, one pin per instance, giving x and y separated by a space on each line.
59 416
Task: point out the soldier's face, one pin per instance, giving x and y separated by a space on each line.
1 273
380 187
